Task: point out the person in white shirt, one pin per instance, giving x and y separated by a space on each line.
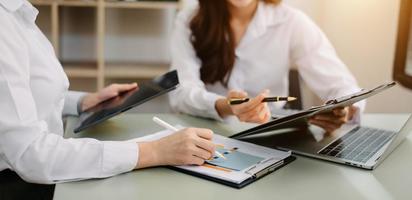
33 98
234 48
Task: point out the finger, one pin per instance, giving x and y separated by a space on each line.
204 133
324 123
203 154
329 127
331 119
205 144
107 94
321 125
114 90
125 87
263 111
267 117
352 110
331 115
194 160
251 105
341 112
250 116
237 94
260 116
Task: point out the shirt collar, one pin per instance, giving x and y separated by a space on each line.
267 15
29 12
21 7
11 5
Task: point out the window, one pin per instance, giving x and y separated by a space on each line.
403 58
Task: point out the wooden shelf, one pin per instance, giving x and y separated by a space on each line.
42 2
143 5
109 4
80 70
135 71
77 3
99 71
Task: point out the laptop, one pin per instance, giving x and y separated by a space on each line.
358 146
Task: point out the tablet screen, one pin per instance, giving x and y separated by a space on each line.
127 100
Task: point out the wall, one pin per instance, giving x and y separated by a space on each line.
362 31
364 35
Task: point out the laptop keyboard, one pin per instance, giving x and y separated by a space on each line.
358 145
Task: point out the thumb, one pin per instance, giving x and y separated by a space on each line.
266 92
237 94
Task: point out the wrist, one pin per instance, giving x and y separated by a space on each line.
148 155
223 108
80 104
86 101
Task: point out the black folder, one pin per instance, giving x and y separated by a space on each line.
300 119
258 176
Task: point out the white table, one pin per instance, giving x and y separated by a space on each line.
304 178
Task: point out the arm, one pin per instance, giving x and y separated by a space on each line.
321 68
40 156
73 103
26 144
191 96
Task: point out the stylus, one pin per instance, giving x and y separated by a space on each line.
172 128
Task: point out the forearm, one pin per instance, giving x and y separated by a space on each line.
48 158
195 101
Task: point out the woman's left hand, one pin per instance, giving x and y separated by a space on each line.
334 119
111 91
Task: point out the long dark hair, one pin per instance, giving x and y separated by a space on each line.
213 40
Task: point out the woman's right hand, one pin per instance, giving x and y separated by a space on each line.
253 111
191 146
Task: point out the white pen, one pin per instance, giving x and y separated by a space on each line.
172 128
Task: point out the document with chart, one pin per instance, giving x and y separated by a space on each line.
244 163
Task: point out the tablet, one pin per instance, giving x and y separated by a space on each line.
127 100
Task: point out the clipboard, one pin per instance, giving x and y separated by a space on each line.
245 162
299 120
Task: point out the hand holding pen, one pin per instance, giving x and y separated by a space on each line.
172 128
254 110
189 146
246 109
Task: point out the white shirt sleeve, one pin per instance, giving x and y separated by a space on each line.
191 96
318 63
71 103
27 146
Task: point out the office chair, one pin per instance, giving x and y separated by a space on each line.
294 91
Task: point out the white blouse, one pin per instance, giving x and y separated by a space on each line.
33 93
278 38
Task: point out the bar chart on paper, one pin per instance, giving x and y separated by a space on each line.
235 159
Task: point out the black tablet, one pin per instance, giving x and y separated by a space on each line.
127 100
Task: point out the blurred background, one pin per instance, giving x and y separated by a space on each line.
100 42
